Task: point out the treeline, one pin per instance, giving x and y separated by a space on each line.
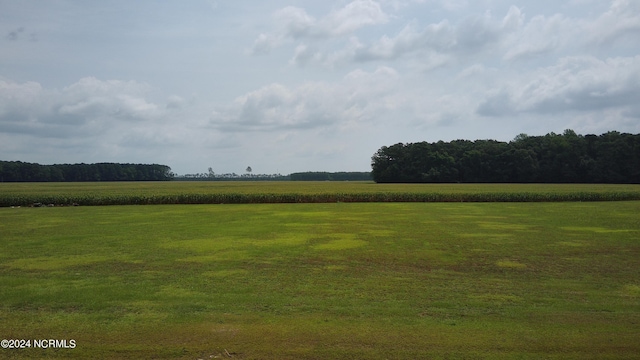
612 157
231 177
16 171
330 176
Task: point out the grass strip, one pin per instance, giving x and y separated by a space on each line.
243 198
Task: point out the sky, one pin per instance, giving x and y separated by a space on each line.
301 85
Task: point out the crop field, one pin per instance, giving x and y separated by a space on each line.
243 192
409 280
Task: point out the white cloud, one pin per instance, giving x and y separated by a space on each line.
471 71
539 36
265 43
85 107
303 54
449 5
96 120
15 96
442 42
511 37
437 37
352 17
577 84
622 20
559 33
295 23
360 96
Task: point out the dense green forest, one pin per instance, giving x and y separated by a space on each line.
12 171
330 176
612 157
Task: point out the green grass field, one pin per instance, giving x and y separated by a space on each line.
324 281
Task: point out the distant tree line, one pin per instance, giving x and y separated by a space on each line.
612 157
231 177
14 171
331 176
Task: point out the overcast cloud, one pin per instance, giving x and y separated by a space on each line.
287 86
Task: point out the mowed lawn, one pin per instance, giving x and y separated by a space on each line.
324 281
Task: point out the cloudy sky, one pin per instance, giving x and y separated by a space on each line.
301 85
